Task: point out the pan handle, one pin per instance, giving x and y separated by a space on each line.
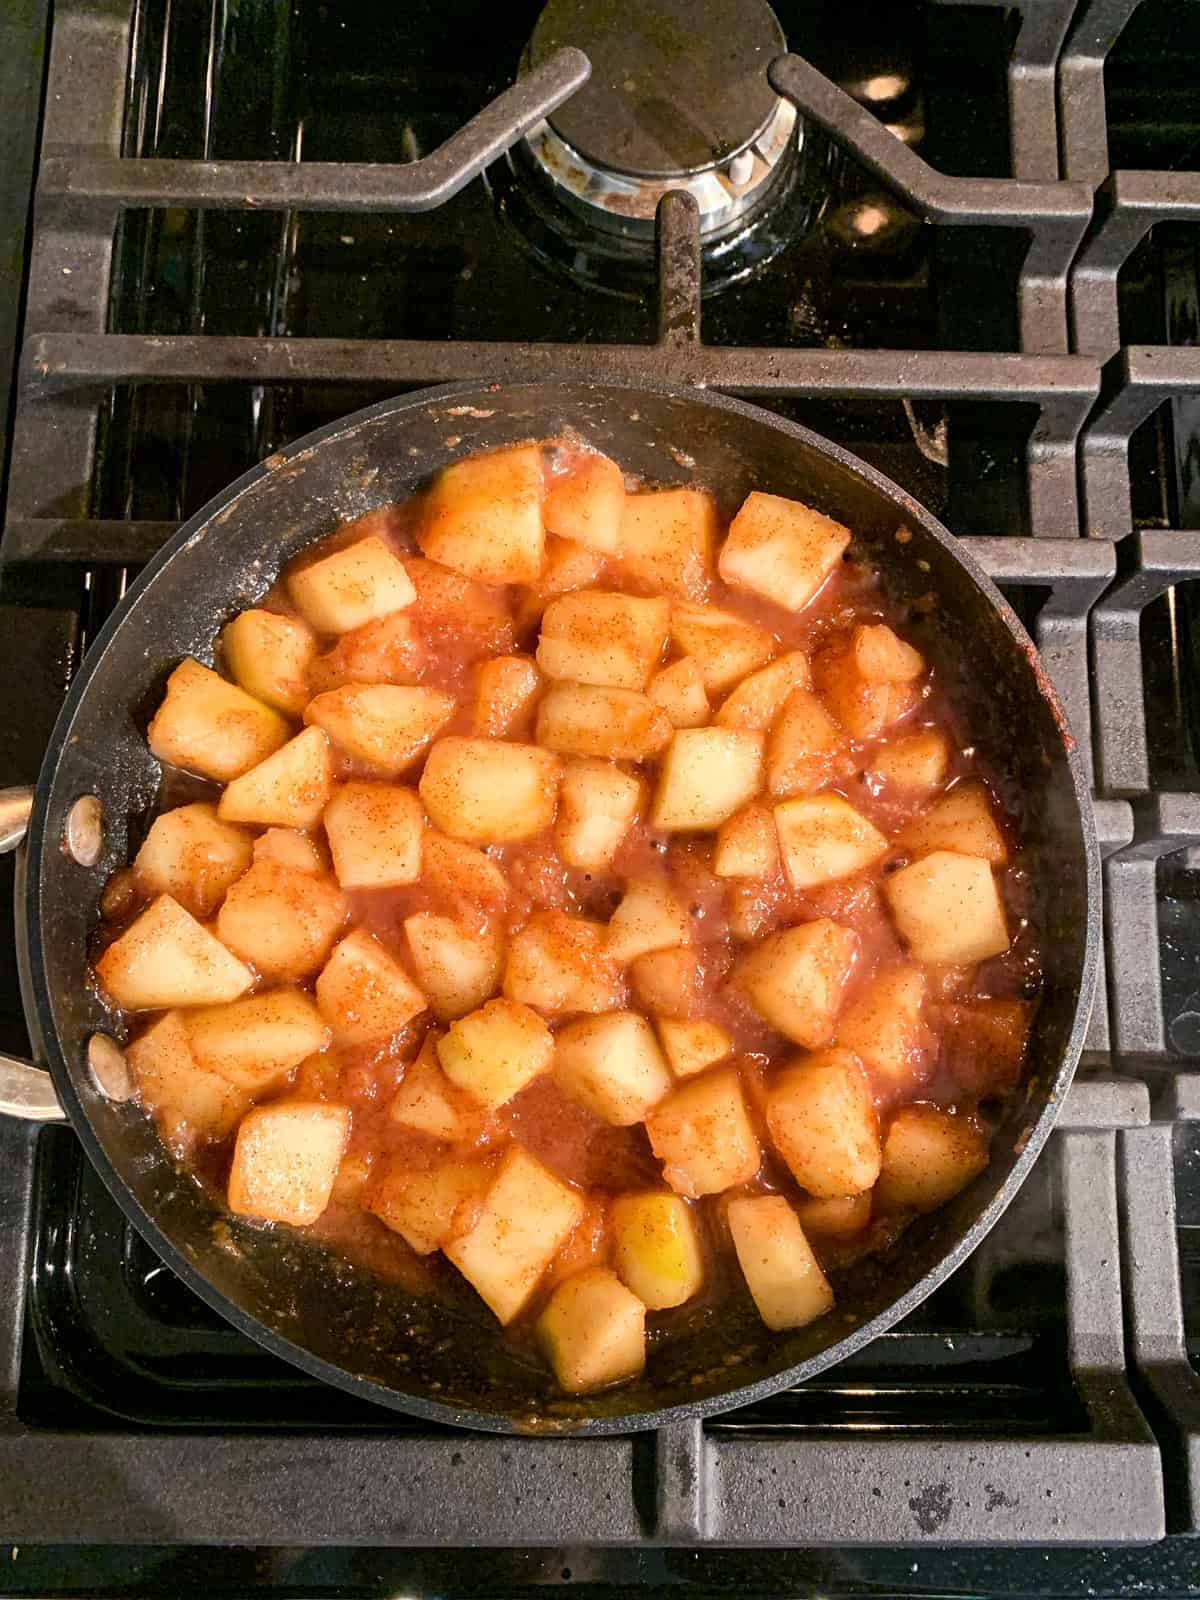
26 1091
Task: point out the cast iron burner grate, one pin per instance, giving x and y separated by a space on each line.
998 308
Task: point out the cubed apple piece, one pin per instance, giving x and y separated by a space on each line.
383 651
781 549
364 994
806 747
193 856
586 502
759 699
670 983
692 1047
476 616
428 1207
724 646
613 1066
782 1274
352 1176
703 1136
384 725
869 679
469 883
167 959
280 921
747 846
649 917
568 566
212 727
597 804
593 1331
375 834
916 761
884 1029
289 847
679 691
706 774
355 585
457 969
527 1215
823 838
483 516
494 1052
612 641
822 1120
883 656
656 1248
180 1094
287 790
579 719
983 1043
255 1042
666 540
962 819
286 1159
948 909
270 655
429 1103
839 1216
490 791
506 688
795 979
560 963
928 1156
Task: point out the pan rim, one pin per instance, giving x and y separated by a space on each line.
38 1002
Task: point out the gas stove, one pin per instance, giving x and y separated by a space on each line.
961 240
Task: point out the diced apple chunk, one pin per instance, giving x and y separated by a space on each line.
282 922
568 566
355 585
383 651
781 549
579 719
483 516
948 909
656 1248
806 747
838 1216
679 691
450 605
666 540
364 994
180 1094
470 882
649 917
782 1274
429 1207
375 833
984 1042
286 1159
669 983
457 970
613 1066
586 504
692 1047
707 773
560 963
288 847
193 856
725 647
490 791
882 656
593 1332
613 641
962 819
795 979
822 1120
384 725
597 804
527 1214
747 845
493 1053
212 727
883 1027
758 699
928 1156
167 959
702 1134
429 1103
917 761
269 655
255 1042
287 790
849 676
505 690
823 838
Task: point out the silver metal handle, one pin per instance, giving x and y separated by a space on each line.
26 1091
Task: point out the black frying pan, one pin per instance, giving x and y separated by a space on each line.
448 1361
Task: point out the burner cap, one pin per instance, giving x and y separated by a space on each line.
677 86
